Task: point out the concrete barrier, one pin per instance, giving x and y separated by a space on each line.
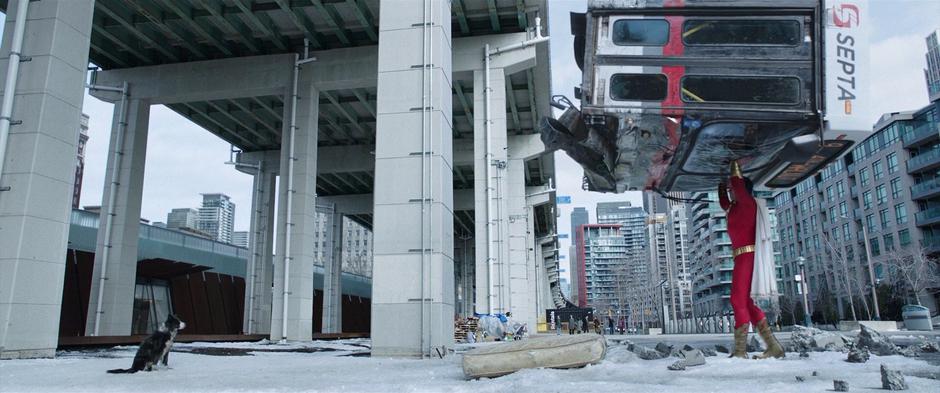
880 326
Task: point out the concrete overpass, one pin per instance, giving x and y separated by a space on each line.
384 110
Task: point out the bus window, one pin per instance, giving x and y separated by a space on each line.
741 32
638 87
741 89
640 32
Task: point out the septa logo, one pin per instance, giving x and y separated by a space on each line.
845 15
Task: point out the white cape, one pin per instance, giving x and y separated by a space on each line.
764 280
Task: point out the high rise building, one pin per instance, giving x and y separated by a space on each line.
80 164
632 220
217 217
579 217
669 252
240 239
932 72
709 253
182 218
603 266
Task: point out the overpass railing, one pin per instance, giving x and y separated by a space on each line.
90 219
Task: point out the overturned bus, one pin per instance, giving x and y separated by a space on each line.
673 90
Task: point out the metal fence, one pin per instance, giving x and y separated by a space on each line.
701 325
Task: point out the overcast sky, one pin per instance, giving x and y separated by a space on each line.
184 160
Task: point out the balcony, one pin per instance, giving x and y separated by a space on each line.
854 192
927 189
932 243
922 135
924 162
927 217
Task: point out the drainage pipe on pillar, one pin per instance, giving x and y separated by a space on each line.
298 62
112 195
253 231
425 185
9 87
487 151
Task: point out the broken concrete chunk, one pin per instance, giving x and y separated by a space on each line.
800 378
664 348
708 352
892 379
687 347
840 386
858 355
876 342
679 365
722 348
693 358
646 353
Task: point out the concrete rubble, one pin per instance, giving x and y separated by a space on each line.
689 358
876 342
840 386
892 379
858 355
647 353
754 345
805 339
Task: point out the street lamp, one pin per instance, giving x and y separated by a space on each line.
871 270
802 279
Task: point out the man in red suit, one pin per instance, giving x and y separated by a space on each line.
741 212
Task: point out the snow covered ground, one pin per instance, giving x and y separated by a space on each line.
334 367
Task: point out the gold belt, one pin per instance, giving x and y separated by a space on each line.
743 250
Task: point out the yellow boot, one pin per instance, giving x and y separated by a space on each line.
773 346
740 343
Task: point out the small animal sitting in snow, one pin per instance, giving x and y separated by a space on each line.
155 347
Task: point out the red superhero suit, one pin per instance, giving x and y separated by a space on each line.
742 227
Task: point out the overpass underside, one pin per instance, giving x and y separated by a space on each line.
383 119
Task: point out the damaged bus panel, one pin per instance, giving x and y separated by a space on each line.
673 90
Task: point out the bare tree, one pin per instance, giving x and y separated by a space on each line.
838 267
915 269
788 306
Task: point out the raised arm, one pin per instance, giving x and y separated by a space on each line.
723 196
737 185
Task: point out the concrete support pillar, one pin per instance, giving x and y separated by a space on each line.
491 218
413 273
520 263
258 296
300 221
120 275
332 272
39 170
464 265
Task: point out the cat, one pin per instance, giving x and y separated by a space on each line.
155 347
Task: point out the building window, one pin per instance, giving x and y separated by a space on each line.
875 248
892 162
904 237
901 213
870 222
896 188
829 194
840 189
863 174
812 222
843 209
877 170
832 215
881 192
889 242
883 215
866 199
